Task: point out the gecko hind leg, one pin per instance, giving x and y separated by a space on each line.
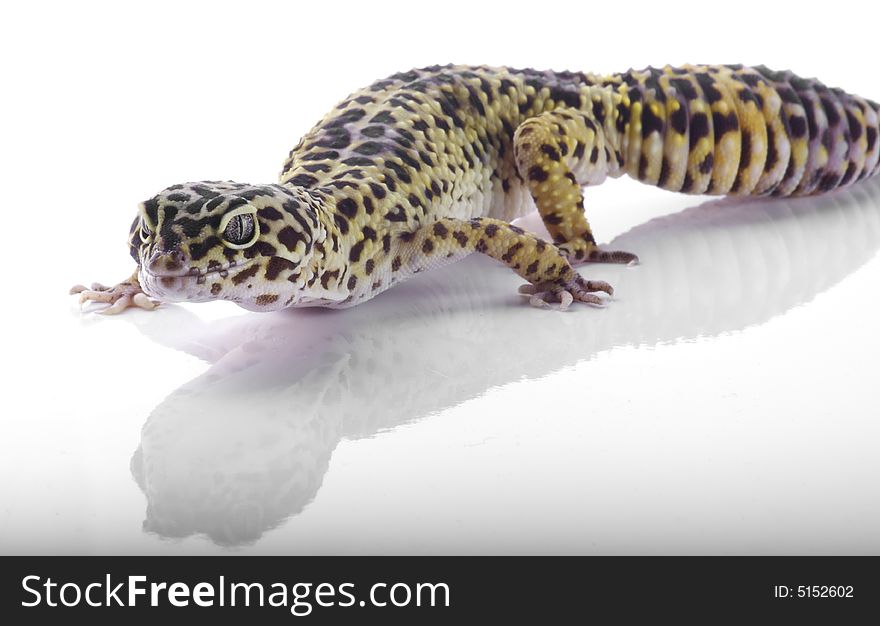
557 153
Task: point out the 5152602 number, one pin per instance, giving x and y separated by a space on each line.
813 591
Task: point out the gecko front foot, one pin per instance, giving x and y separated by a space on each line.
121 296
560 296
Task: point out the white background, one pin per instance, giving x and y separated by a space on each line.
724 403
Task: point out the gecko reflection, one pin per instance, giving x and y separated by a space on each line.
245 446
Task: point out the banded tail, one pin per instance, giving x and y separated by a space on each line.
729 129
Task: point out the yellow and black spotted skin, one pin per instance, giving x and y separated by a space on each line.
426 166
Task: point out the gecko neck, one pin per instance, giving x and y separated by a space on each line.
328 263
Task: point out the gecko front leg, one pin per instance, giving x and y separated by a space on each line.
121 296
552 279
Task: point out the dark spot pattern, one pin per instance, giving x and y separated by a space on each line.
538 173
277 265
248 272
706 165
699 128
678 120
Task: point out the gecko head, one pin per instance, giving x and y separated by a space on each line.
250 244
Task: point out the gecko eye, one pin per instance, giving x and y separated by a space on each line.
239 228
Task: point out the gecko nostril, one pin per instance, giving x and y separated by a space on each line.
170 261
175 260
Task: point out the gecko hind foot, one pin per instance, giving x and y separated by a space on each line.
554 296
119 297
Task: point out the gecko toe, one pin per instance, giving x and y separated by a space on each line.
141 300
598 285
117 307
589 298
89 295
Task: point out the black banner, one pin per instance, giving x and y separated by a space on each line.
429 590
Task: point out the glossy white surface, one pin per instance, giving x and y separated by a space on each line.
724 402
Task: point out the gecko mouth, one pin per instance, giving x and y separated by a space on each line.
200 274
